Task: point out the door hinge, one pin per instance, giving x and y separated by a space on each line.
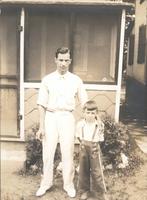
19 28
19 117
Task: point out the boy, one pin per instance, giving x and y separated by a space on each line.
90 131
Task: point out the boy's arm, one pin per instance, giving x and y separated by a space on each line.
101 132
78 132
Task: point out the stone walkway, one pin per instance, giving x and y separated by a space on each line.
139 132
138 129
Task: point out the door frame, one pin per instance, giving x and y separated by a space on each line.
21 111
20 122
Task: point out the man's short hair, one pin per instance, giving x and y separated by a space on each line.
62 50
90 105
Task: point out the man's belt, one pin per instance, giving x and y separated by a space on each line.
58 110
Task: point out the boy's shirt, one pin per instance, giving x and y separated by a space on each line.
89 129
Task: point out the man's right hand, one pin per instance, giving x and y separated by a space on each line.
40 134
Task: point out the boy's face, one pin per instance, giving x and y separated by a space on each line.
90 115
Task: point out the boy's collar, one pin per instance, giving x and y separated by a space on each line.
95 122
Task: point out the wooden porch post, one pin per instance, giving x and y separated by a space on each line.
22 21
118 92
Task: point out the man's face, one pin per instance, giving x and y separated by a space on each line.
63 61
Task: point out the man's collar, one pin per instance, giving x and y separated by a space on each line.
62 76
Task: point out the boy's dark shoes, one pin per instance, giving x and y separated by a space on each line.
97 196
85 195
92 198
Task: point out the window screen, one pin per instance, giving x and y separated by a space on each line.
45 33
92 38
93 48
8 42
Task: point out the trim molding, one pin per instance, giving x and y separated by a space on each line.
87 86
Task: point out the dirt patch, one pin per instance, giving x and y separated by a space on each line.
16 187
132 187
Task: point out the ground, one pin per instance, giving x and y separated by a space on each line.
17 187
134 187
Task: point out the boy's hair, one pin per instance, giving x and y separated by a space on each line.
90 105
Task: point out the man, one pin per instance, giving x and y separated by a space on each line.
56 102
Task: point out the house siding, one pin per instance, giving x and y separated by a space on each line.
136 84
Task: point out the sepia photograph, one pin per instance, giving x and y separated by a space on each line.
73 99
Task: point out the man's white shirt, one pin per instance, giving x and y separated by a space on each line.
59 91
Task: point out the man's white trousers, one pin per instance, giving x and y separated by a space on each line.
59 127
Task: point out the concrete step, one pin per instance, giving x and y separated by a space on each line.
13 151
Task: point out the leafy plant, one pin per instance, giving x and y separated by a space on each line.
118 144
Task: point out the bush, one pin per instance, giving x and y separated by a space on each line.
119 150
33 163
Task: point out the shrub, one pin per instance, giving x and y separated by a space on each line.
119 150
34 163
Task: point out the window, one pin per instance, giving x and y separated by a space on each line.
141 44
92 48
91 37
131 50
8 42
45 33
